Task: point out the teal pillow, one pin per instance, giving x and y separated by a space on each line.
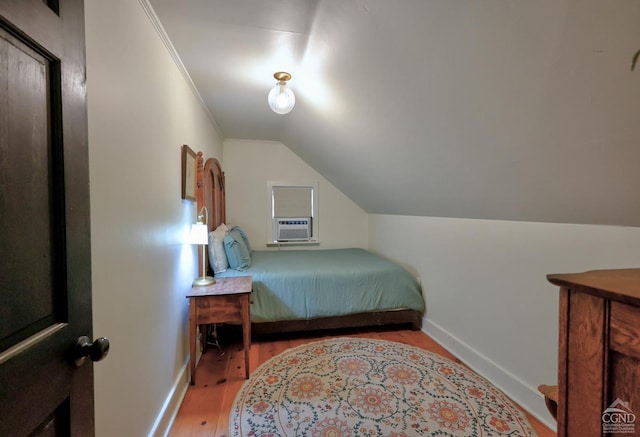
243 234
237 253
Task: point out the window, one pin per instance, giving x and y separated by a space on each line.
292 201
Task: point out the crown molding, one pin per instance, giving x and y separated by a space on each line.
157 25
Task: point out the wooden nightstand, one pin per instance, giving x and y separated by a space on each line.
223 302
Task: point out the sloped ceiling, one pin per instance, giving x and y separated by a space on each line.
499 109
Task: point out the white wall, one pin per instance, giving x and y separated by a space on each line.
249 165
484 281
487 296
141 110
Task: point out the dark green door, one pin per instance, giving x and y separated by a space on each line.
45 266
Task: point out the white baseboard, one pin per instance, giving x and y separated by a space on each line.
519 391
172 403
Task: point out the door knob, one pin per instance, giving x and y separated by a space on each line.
84 348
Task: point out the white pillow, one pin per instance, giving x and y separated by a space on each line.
217 256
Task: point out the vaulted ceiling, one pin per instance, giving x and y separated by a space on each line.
499 109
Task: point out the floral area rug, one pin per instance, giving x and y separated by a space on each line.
365 387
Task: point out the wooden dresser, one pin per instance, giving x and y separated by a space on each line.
599 352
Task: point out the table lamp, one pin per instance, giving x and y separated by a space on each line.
200 235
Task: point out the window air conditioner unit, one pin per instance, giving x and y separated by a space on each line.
293 228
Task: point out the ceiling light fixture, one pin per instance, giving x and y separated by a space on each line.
281 99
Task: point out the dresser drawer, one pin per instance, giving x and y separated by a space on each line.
624 329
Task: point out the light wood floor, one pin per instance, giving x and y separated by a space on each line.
206 406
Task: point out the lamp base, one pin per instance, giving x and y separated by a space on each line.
203 281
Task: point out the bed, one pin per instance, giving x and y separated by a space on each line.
302 290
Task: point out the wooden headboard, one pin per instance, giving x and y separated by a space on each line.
210 193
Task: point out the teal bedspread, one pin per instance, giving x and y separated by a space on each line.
306 284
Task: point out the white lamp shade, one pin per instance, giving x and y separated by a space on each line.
199 234
281 99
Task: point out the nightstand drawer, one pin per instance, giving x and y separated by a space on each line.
219 309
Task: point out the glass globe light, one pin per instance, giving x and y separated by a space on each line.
281 99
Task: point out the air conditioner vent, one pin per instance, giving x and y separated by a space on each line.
293 228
